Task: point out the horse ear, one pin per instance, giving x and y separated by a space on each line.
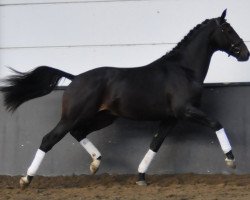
223 15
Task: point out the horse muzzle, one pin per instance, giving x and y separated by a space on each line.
243 56
241 52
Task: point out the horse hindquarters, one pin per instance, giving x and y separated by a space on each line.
80 104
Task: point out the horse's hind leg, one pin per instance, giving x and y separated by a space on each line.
164 129
48 142
101 120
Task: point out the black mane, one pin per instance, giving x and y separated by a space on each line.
188 37
174 53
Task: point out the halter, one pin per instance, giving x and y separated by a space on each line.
234 46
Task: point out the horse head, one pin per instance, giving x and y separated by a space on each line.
226 39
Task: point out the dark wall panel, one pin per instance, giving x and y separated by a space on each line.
191 147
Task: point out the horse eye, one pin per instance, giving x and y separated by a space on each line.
226 29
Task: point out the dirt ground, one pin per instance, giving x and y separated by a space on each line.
118 187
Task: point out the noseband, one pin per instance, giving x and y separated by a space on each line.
235 48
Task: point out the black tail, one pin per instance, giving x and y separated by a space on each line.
22 87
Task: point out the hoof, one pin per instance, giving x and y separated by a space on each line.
94 166
230 163
141 183
24 182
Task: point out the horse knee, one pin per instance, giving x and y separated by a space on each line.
156 142
215 125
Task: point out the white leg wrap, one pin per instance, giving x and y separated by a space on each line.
90 148
36 163
222 137
143 167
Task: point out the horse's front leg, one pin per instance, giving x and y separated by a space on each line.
164 129
197 115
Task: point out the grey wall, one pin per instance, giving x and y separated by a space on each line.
191 148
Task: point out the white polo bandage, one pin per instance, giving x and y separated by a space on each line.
224 142
90 148
143 167
36 163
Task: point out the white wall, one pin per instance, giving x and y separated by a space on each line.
80 35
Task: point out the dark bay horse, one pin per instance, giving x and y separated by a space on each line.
166 90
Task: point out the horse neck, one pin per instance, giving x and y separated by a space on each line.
197 55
